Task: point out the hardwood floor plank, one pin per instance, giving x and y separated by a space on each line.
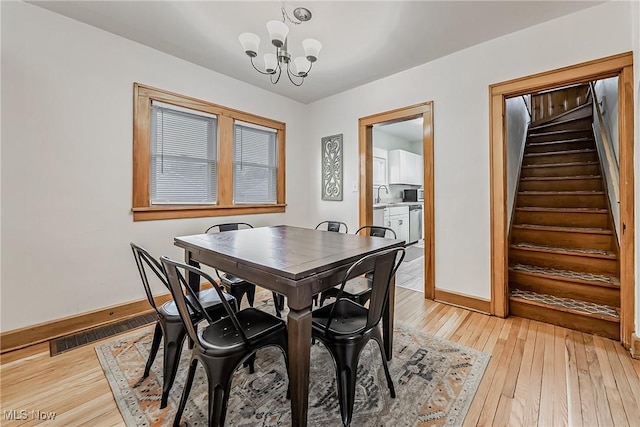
560 417
574 409
538 374
603 411
587 393
547 391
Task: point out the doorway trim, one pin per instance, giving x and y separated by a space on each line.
620 65
365 165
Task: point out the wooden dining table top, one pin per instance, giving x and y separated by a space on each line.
291 252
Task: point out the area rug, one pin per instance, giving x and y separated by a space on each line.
435 381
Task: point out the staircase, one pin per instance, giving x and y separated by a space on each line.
563 254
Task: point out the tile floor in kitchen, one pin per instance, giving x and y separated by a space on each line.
410 273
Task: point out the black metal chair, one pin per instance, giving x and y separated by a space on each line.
334 226
235 285
169 324
223 344
359 288
345 327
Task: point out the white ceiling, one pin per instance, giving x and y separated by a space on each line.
362 41
409 130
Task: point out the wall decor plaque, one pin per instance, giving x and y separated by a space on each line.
332 167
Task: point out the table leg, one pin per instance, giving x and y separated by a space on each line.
193 280
387 320
299 326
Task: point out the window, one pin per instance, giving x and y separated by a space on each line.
254 164
183 156
192 158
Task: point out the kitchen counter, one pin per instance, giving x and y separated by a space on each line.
389 204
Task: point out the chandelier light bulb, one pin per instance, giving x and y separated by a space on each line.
277 32
302 66
311 49
270 62
250 43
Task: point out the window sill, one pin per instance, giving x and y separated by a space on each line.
176 212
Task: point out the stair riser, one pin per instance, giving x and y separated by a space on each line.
563 201
545 137
581 170
579 263
562 219
562 185
564 289
572 125
567 320
563 239
535 159
559 146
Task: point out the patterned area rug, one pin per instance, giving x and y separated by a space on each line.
435 382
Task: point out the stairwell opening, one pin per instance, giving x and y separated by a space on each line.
556 256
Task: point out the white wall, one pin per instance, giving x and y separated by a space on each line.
607 92
458 85
67 96
517 121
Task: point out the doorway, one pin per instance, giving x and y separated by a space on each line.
424 112
618 65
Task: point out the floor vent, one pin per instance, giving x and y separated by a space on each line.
69 342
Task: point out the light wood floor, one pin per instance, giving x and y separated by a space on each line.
538 374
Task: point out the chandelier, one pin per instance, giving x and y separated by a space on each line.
275 63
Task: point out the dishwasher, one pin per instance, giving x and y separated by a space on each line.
415 223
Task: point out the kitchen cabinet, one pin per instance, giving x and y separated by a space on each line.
405 167
378 217
397 219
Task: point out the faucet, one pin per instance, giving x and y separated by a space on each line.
386 190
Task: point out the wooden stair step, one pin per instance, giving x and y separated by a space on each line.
562 183
570 313
561 145
568 275
563 236
582 260
562 199
559 178
588 252
559 134
555 157
557 153
581 230
562 217
572 123
561 169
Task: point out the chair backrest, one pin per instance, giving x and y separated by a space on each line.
145 261
378 231
185 298
385 265
229 226
334 226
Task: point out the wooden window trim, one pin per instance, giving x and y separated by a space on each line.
141 206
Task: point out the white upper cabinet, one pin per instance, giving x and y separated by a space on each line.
379 166
405 168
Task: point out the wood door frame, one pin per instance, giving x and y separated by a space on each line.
620 65
365 165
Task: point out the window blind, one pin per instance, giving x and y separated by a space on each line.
254 164
183 156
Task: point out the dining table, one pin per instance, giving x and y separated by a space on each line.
298 263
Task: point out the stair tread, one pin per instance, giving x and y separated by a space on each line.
558 132
557 141
559 178
556 165
561 122
601 311
561 193
590 230
561 153
559 249
562 210
580 276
